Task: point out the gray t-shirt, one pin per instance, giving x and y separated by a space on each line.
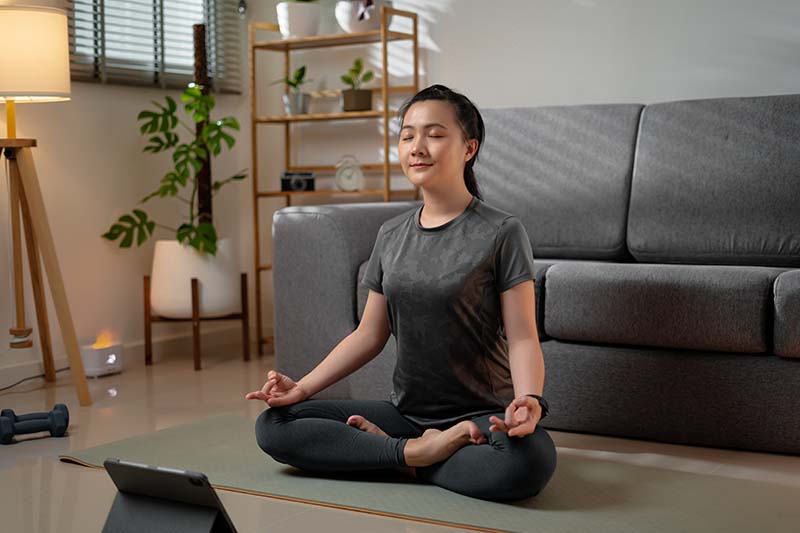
442 288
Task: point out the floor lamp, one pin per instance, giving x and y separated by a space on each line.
34 67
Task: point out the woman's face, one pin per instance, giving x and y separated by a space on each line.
432 148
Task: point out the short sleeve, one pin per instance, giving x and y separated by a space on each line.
513 255
373 276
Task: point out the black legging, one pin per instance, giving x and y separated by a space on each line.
314 435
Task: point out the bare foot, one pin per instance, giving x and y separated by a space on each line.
359 422
435 445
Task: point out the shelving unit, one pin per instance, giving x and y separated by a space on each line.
286 46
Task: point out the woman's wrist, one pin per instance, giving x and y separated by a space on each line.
542 403
304 387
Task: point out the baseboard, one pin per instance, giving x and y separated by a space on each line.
215 342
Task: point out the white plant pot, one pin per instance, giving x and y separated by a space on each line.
346 12
174 266
298 19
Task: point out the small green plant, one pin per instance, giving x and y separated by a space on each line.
354 78
297 79
188 158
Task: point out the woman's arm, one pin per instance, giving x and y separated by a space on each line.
525 360
355 350
524 351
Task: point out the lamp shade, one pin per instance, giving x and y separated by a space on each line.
34 54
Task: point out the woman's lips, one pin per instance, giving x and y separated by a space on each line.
421 166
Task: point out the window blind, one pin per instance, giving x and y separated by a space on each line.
150 42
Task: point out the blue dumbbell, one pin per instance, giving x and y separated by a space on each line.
56 423
9 413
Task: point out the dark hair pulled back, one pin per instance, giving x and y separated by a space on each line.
468 117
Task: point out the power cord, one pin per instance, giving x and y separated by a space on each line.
27 379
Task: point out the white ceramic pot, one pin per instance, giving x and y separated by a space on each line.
298 19
346 12
174 266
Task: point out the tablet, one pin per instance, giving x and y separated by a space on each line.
184 486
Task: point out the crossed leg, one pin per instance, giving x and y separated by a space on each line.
314 435
348 435
505 468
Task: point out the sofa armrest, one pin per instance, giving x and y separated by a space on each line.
317 250
787 314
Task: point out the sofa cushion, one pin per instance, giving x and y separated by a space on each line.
565 172
699 398
787 314
716 182
541 266
701 307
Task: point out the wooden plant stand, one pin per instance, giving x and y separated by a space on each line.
149 318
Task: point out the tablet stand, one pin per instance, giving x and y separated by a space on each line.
132 513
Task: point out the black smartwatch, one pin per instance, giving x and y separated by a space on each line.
542 402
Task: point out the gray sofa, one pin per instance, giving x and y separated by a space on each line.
666 241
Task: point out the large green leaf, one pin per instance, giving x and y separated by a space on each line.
186 155
129 228
214 133
157 144
197 104
202 237
162 121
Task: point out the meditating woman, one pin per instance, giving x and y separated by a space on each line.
452 280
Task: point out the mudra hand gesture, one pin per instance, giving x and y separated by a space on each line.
522 415
278 390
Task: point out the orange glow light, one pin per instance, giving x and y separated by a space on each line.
104 340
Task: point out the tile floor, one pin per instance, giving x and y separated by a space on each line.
38 493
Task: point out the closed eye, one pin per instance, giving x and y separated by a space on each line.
409 138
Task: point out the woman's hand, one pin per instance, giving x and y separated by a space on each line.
278 390
522 415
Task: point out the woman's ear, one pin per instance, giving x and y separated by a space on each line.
472 149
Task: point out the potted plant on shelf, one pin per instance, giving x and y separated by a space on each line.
355 98
195 251
355 16
296 102
298 18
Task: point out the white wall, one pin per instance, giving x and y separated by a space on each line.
546 52
503 53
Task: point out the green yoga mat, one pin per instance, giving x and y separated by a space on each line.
584 494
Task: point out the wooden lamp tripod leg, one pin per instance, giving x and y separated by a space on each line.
41 229
36 281
20 332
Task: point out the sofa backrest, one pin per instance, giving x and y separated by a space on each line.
565 171
717 181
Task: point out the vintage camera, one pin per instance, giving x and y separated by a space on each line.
297 181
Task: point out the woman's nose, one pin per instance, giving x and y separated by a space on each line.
417 148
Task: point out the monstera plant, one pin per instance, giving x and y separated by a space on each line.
189 179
